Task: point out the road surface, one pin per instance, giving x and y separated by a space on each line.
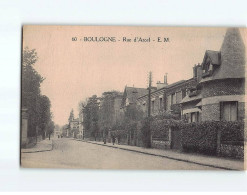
69 153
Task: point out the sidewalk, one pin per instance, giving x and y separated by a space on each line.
210 161
42 146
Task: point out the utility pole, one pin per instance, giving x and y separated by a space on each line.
149 109
149 93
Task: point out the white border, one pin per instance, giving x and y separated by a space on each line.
13 14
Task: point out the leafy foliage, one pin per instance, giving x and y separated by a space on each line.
160 128
38 105
146 133
202 137
91 117
232 133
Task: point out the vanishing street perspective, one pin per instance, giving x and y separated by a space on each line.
93 101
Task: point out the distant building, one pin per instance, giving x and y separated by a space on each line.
74 127
57 132
220 94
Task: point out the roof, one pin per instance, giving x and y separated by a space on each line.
167 87
174 84
189 99
232 54
199 104
214 57
132 93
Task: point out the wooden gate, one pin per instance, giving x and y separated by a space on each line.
176 139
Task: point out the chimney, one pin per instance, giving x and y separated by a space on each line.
161 85
199 72
165 79
195 71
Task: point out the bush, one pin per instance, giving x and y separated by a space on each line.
160 128
232 133
145 133
202 137
199 137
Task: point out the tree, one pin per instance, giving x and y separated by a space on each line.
37 104
50 128
90 110
106 112
133 113
44 113
31 81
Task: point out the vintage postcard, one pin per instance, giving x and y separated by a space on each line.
125 97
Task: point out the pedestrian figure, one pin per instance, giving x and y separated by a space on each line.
113 140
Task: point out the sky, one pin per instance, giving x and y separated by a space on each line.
76 70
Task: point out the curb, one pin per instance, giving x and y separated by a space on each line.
165 156
41 150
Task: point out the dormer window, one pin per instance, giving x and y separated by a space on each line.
208 70
210 61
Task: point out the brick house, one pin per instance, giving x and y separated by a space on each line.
220 94
168 97
157 98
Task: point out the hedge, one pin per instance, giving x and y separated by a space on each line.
232 133
160 128
202 137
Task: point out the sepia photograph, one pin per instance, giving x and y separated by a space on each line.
133 97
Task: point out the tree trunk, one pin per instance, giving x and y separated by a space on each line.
49 136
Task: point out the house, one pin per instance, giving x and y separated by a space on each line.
220 93
157 98
74 126
131 94
167 97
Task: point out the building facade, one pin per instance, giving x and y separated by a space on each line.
168 97
220 94
74 127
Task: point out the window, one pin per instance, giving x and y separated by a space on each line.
193 117
207 70
178 97
161 103
229 111
173 98
168 102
